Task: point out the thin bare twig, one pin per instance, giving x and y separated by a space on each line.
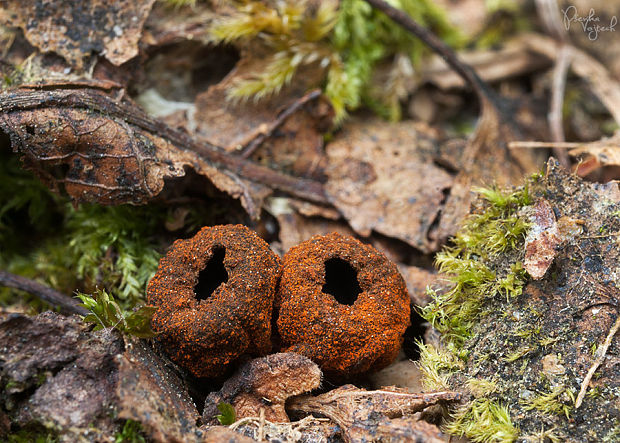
554 117
548 13
600 356
484 92
544 145
66 304
249 149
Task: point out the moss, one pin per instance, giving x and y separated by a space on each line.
46 238
495 229
554 402
348 40
436 366
32 436
480 387
534 342
130 433
483 420
477 277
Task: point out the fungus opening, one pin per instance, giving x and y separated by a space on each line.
341 281
212 276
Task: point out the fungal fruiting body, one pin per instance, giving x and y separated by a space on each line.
341 303
214 296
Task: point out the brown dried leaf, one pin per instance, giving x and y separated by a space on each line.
542 239
367 415
106 150
605 152
381 177
74 29
284 131
262 386
417 280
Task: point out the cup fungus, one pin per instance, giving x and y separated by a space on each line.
214 296
341 303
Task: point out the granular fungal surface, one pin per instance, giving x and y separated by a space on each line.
214 296
341 303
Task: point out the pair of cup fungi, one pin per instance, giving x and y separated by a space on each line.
333 299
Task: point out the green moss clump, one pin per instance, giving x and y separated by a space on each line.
348 41
476 278
495 229
46 238
526 349
130 433
483 420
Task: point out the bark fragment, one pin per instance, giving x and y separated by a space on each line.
74 29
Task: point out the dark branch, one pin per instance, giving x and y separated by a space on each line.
90 98
439 47
66 304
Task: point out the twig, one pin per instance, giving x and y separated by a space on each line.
47 294
484 92
600 356
261 425
544 145
89 98
554 117
548 13
249 149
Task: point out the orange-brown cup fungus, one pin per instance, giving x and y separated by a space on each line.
214 297
342 304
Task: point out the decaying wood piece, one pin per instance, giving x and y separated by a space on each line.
366 415
105 149
59 374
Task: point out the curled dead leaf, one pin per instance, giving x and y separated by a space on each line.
262 386
106 150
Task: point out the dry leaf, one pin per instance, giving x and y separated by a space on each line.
74 29
542 239
262 386
106 150
368 415
382 177
605 152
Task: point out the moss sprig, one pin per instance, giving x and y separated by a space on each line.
496 228
105 313
347 40
483 420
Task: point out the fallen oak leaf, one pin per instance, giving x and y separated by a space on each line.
108 151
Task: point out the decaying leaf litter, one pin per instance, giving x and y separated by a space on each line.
152 112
